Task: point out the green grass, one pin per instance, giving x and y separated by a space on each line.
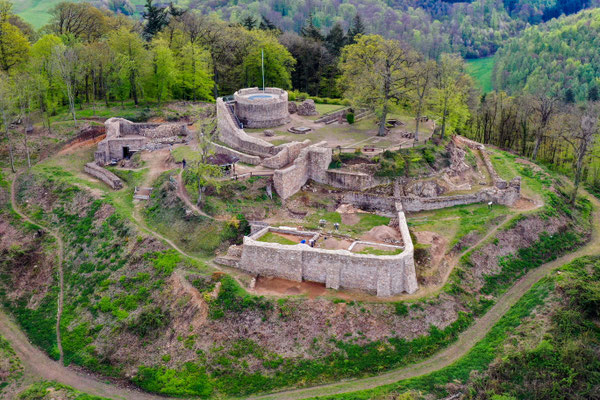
481 70
380 252
271 237
185 152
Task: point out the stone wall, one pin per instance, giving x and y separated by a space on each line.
381 275
311 163
237 138
262 113
104 175
287 153
353 180
245 158
507 196
370 202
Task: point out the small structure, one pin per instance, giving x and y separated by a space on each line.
225 161
300 130
123 138
142 193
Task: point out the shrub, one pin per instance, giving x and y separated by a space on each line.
401 309
150 321
350 118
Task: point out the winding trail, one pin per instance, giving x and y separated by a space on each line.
37 362
61 280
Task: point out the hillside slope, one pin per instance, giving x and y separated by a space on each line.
553 58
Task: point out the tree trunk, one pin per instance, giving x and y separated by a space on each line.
10 148
384 113
538 142
444 114
578 168
133 88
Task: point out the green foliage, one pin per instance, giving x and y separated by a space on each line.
401 309
553 58
164 262
350 118
48 390
232 299
150 321
190 380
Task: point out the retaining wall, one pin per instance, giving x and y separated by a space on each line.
311 163
507 196
245 158
237 138
104 175
381 275
352 180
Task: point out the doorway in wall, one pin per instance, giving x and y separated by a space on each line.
126 152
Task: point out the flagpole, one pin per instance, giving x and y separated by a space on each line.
262 54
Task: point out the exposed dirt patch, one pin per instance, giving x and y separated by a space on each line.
350 219
333 243
525 204
278 286
383 234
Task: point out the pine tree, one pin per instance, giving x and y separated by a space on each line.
357 28
249 22
569 96
267 25
593 94
156 19
336 39
309 30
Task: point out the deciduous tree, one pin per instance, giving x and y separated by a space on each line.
376 74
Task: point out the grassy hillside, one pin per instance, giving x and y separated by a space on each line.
481 69
36 12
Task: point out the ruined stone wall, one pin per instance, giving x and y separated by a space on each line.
349 180
123 133
367 201
236 138
381 275
311 163
245 158
262 113
507 196
104 175
287 153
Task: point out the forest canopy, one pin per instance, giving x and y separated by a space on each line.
560 58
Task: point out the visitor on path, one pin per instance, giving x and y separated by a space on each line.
184 163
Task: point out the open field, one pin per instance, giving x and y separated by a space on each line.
481 70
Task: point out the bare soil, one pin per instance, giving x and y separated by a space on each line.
333 243
383 234
278 286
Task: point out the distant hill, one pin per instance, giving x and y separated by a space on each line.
558 57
